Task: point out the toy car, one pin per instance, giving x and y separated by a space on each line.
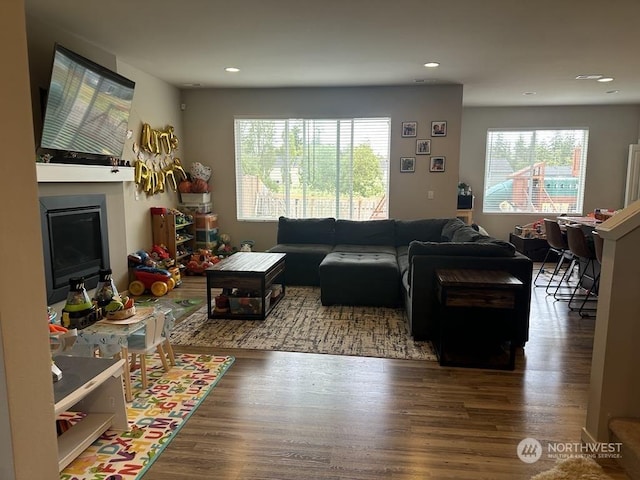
157 280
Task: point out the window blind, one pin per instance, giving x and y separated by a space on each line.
535 170
305 168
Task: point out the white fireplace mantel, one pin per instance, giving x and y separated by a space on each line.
62 172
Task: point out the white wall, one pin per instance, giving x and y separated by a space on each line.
208 126
611 130
28 438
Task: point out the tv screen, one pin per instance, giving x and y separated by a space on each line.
87 109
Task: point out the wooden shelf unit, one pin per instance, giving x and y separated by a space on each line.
179 238
92 386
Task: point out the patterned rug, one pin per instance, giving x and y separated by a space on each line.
155 417
300 323
578 468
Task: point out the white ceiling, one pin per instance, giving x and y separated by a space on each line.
497 49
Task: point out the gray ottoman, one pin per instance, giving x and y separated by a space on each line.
353 278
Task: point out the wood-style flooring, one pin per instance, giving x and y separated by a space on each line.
295 416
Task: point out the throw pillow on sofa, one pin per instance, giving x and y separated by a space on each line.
451 227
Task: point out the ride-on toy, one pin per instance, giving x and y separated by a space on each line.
157 280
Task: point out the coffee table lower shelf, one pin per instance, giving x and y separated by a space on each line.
245 316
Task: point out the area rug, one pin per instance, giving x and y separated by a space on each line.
300 323
155 417
579 468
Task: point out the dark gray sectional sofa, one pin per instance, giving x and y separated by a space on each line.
393 262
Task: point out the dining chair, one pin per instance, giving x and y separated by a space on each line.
578 245
150 339
557 246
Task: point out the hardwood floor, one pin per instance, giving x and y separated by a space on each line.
278 415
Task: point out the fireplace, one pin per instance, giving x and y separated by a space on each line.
75 241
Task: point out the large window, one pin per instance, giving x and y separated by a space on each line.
535 170
302 168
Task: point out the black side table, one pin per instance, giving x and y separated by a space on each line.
476 315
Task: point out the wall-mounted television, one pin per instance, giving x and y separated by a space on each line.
87 108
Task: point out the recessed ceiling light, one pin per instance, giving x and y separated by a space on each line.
590 76
232 69
528 93
612 92
192 84
432 64
605 79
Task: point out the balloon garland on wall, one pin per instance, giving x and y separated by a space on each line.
156 167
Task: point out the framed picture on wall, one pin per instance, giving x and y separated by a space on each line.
409 129
439 129
407 164
437 164
423 147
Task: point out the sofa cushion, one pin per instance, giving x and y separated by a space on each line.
369 232
403 259
360 279
307 248
488 248
425 230
306 230
347 248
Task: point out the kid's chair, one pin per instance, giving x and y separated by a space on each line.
146 342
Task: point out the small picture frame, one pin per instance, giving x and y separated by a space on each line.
407 164
437 164
439 129
423 147
409 129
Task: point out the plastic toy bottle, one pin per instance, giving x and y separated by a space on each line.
79 311
78 299
106 289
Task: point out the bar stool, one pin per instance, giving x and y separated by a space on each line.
577 242
557 245
598 244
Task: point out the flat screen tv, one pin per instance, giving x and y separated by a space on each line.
87 108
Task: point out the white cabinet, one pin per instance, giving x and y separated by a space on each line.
92 386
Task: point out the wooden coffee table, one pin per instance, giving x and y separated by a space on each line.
248 271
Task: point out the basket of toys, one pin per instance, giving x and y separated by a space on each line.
120 308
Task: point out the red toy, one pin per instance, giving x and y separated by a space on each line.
200 261
156 280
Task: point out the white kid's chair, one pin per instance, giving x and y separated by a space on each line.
146 342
